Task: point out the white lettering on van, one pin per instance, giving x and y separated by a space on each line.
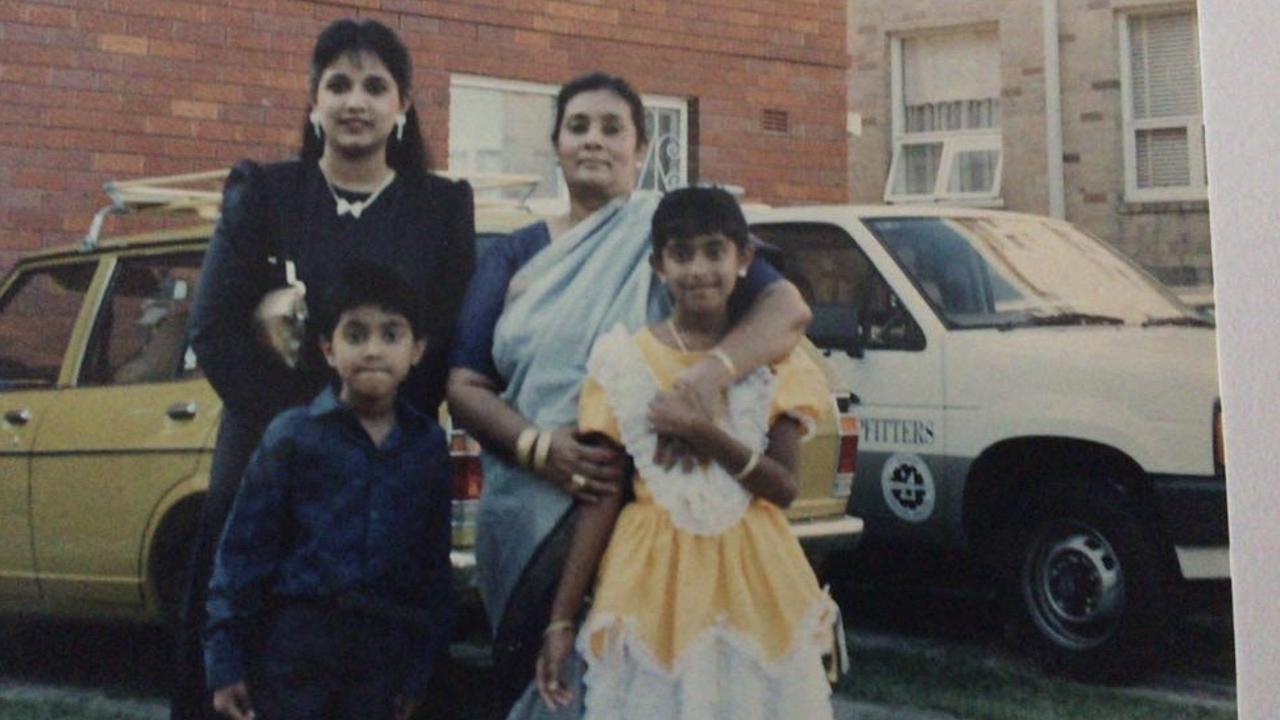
894 431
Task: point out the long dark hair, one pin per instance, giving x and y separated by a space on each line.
345 37
601 81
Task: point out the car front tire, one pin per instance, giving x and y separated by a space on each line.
1092 585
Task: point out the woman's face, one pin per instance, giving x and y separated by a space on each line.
597 147
357 101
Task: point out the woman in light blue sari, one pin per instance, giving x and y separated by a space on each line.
537 302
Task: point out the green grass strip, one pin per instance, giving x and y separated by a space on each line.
974 687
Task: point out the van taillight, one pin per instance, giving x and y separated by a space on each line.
848 462
468 475
847 452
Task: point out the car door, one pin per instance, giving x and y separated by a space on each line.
130 428
881 339
40 308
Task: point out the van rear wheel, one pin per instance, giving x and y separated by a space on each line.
1092 587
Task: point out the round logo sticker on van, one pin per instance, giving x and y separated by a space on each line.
908 487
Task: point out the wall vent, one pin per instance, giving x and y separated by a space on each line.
774 120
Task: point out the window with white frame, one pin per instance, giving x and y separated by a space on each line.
946 118
1163 124
503 126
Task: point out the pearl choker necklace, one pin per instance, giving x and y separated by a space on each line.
345 206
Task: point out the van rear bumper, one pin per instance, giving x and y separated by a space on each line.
1193 516
822 537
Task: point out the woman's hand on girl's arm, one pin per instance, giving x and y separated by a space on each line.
475 404
599 467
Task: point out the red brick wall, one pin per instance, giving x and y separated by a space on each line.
97 89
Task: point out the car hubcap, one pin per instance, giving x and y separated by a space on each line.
1075 586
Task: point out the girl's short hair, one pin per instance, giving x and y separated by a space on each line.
364 283
693 211
601 81
352 37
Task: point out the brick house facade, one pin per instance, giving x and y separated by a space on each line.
92 90
1169 235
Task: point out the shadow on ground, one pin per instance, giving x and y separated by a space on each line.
909 593
134 662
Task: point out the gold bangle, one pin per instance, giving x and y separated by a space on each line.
541 450
725 360
557 625
747 469
524 445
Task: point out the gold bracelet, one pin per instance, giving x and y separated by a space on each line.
747 469
725 360
541 450
524 445
557 625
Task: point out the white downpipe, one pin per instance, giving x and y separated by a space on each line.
1053 110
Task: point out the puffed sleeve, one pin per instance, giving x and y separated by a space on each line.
801 392
594 413
235 276
478 317
453 281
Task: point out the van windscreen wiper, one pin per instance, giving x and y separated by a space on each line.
1186 320
1073 318
1059 319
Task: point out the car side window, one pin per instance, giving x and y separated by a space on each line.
37 317
140 334
852 304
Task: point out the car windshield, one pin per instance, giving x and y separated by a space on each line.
1006 271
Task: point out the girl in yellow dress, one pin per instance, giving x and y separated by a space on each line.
704 606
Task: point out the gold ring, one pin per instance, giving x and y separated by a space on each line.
578 481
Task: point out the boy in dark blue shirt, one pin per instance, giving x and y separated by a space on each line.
331 594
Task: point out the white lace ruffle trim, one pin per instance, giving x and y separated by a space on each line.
721 675
706 501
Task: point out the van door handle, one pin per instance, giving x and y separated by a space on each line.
182 410
18 417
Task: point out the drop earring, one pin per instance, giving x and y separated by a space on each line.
400 123
315 125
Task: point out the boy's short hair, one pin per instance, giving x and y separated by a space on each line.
363 283
693 211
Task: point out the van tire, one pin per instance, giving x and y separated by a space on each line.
1091 584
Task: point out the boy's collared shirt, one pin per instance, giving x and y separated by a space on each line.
323 514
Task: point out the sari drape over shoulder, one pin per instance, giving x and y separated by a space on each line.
578 287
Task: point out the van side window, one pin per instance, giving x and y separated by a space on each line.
141 331
37 316
852 304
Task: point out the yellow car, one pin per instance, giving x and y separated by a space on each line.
107 425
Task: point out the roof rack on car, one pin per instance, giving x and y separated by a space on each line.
525 185
191 193
200 194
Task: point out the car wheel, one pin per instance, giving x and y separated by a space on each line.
1092 585
171 554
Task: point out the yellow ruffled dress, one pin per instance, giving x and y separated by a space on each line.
705 606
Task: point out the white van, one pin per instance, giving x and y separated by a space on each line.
1027 396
